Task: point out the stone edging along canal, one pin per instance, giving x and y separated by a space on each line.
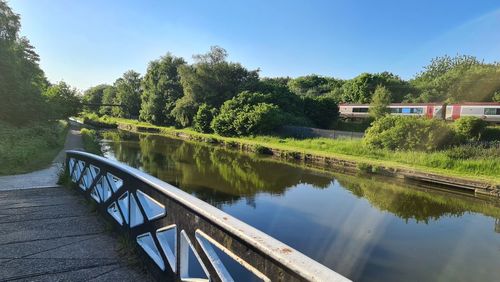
476 186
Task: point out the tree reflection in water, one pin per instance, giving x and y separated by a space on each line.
222 176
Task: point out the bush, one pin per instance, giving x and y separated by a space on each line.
244 115
491 133
203 119
409 133
470 128
102 122
322 111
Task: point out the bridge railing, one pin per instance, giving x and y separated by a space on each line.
182 237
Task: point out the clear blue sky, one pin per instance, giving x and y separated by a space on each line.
89 42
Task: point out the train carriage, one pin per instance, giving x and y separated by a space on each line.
357 111
487 111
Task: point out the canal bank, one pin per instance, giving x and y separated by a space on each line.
475 185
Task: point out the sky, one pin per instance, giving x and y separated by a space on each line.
89 42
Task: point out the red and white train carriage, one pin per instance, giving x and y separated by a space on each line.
487 111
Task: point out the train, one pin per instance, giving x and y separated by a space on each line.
488 111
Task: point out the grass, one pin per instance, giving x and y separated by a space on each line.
31 147
483 167
90 141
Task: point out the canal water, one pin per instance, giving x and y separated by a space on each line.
366 228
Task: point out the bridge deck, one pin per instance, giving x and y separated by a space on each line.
50 234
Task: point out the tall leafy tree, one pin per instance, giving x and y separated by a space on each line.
62 100
161 90
211 80
108 98
313 85
380 102
128 95
361 88
457 79
21 79
92 97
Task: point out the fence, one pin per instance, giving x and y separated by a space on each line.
310 132
182 237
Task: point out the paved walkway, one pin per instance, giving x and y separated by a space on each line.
45 177
50 234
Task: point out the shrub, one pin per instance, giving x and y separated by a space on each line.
470 128
244 115
322 111
409 133
491 133
203 119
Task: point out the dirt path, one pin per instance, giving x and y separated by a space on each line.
45 177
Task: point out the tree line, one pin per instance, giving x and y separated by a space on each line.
215 95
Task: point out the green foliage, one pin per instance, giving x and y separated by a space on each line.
91 141
128 95
380 102
470 128
476 151
322 111
496 96
491 133
93 97
313 85
409 133
29 147
162 89
457 79
108 98
21 79
211 80
101 122
185 109
62 101
203 119
246 115
361 88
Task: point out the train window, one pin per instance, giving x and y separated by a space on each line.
406 110
359 110
395 110
492 111
417 110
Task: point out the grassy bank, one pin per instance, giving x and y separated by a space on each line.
90 141
484 165
29 148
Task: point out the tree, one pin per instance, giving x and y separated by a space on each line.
313 85
361 88
457 79
93 97
128 95
108 98
211 80
322 111
62 101
203 118
21 79
161 90
245 114
381 99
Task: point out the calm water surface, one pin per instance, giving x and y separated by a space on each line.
366 229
